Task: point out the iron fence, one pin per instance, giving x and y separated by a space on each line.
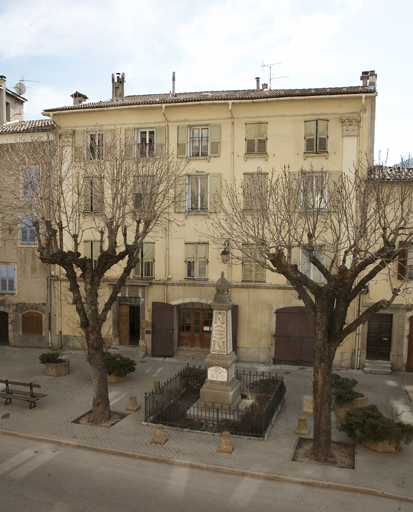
176 403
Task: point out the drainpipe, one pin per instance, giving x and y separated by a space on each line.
357 346
49 292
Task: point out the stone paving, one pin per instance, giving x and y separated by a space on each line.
69 397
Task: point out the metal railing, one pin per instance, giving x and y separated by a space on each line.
177 404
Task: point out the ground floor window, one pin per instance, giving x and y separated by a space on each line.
32 323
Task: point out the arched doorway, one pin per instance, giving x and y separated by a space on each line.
4 328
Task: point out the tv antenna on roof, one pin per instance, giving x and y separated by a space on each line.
270 66
20 87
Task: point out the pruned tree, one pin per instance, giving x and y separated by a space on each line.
329 235
91 216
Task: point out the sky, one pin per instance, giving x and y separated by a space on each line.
58 47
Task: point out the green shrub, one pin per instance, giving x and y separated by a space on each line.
51 357
342 389
266 387
118 365
374 426
191 377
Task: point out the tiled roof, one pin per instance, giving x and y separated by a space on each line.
383 173
187 97
39 125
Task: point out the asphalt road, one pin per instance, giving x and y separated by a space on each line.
43 477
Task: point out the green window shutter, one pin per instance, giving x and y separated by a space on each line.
250 137
160 139
108 138
333 185
79 145
129 143
322 136
262 137
309 136
97 194
202 257
215 140
180 194
214 192
182 141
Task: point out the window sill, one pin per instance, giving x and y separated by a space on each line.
255 155
197 212
315 155
196 279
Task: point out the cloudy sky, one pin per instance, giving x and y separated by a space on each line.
60 46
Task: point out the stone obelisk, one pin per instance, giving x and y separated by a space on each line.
221 386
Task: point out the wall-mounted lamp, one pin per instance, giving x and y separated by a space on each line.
225 253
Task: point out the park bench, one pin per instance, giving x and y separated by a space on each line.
10 394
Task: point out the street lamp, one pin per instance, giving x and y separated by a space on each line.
225 253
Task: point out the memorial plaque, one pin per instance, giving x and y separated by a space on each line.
217 373
219 332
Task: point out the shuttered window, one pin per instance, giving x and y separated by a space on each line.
318 190
316 136
256 138
32 323
255 190
196 260
145 268
252 269
199 141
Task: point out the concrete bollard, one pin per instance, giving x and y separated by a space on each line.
309 406
156 385
133 404
226 445
302 429
160 437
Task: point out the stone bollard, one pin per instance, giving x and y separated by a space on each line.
309 406
226 445
156 385
160 437
133 404
302 429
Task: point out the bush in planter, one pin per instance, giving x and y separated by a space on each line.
342 389
51 357
118 365
375 427
191 377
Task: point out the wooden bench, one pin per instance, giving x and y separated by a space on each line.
10 394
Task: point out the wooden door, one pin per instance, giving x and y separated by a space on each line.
124 324
4 328
379 337
162 329
294 336
409 365
195 327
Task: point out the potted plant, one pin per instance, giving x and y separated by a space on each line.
344 395
55 365
378 432
118 366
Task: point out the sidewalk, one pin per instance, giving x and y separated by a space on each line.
70 397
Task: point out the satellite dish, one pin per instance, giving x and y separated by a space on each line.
20 88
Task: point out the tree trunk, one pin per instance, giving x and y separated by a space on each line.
100 404
323 366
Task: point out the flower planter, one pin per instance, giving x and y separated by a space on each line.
341 409
115 378
57 369
385 446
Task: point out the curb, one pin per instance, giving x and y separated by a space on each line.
217 469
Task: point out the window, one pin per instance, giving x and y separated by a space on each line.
252 270
198 193
145 189
30 181
199 141
255 191
256 138
27 231
32 323
196 259
7 283
314 191
145 268
94 146
308 268
145 143
405 264
93 194
92 250
316 136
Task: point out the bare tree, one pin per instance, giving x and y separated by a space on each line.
91 216
348 228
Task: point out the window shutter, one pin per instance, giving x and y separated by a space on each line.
247 269
214 193
309 136
215 140
247 192
32 323
130 143
79 145
87 194
259 273
87 249
160 135
108 149
97 194
333 184
402 263
180 194
322 135
182 141
250 137
96 249
202 256
262 137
